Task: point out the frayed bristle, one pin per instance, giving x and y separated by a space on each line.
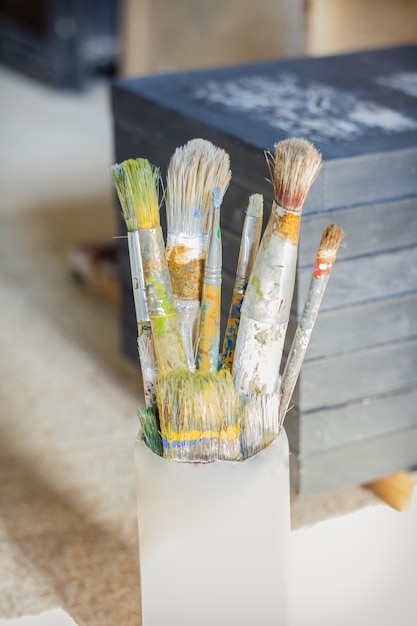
150 430
255 205
296 165
124 191
331 238
195 169
198 415
140 185
260 422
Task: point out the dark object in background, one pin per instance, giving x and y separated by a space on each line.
61 42
355 417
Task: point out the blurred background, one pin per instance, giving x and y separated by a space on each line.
66 42
68 395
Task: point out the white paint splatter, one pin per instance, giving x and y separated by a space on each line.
303 108
402 81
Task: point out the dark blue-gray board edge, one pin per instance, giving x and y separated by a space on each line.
353 464
353 422
341 379
351 73
377 177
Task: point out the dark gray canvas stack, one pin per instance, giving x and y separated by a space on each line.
355 409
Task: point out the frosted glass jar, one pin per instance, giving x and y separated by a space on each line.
214 539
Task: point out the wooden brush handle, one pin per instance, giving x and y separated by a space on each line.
209 344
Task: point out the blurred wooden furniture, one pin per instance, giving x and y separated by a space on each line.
163 35
335 26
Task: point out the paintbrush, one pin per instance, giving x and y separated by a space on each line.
150 432
169 349
209 338
251 234
259 422
193 172
267 303
326 256
128 197
199 416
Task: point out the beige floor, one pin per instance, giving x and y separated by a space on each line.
68 534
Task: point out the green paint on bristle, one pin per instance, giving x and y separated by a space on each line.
123 187
150 430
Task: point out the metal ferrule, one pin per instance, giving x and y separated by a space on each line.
138 279
160 299
248 246
213 267
213 275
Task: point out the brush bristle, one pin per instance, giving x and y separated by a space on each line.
150 430
260 423
296 165
195 410
331 238
140 182
124 191
255 205
195 169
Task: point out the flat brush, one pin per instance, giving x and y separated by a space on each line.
150 432
326 256
147 358
209 338
267 303
169 349
251 234
259 422
193 172
199 416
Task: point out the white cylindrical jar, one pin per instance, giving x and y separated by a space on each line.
214 539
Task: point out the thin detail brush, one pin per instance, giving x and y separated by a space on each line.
169 349
251 234
209 340
194 170
267 303
326 256
147 357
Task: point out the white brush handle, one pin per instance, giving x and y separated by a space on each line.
258 353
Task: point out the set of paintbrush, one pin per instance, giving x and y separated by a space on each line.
204 404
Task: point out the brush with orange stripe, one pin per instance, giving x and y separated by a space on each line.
326 256
267 303
209 340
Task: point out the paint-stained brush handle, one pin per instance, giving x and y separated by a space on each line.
251 234
169 348
209 341
148 363
326 256
232 327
